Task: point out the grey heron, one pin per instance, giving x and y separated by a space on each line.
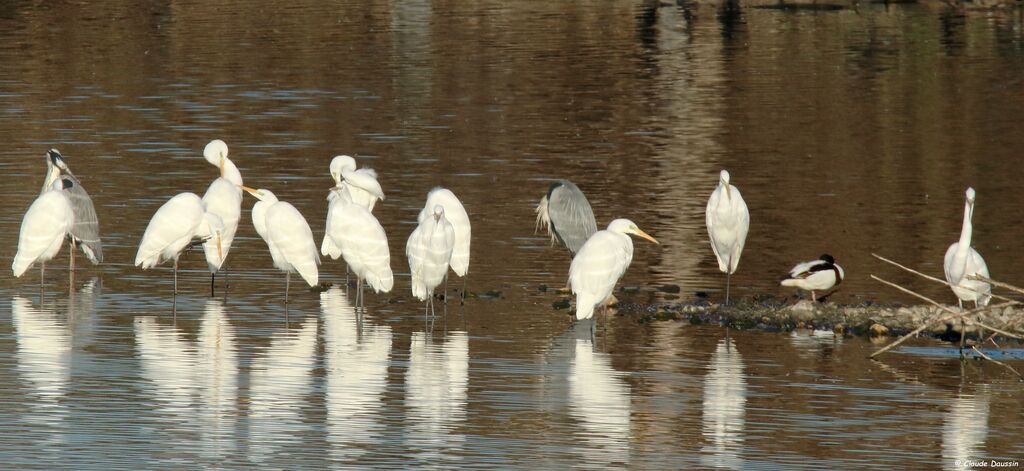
600 263
566 214
85 231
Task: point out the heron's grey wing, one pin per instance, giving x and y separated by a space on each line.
86 229
572 218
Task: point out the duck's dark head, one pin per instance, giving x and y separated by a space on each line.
828 259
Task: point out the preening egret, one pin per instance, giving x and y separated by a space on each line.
85 232
566 215
287 235
816 275
223 198
355 234
48 220
728 221
456 215
962 260
600 263
429 251
172 229
361 185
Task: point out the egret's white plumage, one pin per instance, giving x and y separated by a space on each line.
355 234
223 198
567 216
429 250
361 185
455 214
962 260
728 222
173 227
816 275
287 235
43 229
600 263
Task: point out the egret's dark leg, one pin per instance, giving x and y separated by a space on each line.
175 277
71 267
287 281
42 275
462 301
213 277
445 289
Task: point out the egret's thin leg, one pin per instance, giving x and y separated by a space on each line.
359 292
213 276
728 282
287 281
347 271
42 275
175 277
463 296
445 289
71 268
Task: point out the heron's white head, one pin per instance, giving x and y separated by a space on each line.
340 164
216 152
970 202
438 212
261 194
970 195
625 226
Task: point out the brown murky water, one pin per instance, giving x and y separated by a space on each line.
848 132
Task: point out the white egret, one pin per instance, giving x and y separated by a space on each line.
456 215
355 234
962 260
172 229
46 223
223 198
728 221
600 263
429 250
287 235
85 232
816 275
361 184
566 215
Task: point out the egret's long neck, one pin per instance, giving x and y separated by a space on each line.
231 172
52 174
259 218
965 232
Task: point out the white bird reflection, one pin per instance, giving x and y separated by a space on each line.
964 430
725 399
598 399
280 382
356 357
44 356
196 385
435 393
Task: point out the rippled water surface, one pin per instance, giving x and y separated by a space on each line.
848 131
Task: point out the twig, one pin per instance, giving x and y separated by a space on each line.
965 315
1000 284
918 330
1004 365
911 270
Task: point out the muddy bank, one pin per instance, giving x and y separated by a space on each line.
873 320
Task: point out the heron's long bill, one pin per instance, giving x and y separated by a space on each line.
222 167
220 251
728 193
647 236
251 191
